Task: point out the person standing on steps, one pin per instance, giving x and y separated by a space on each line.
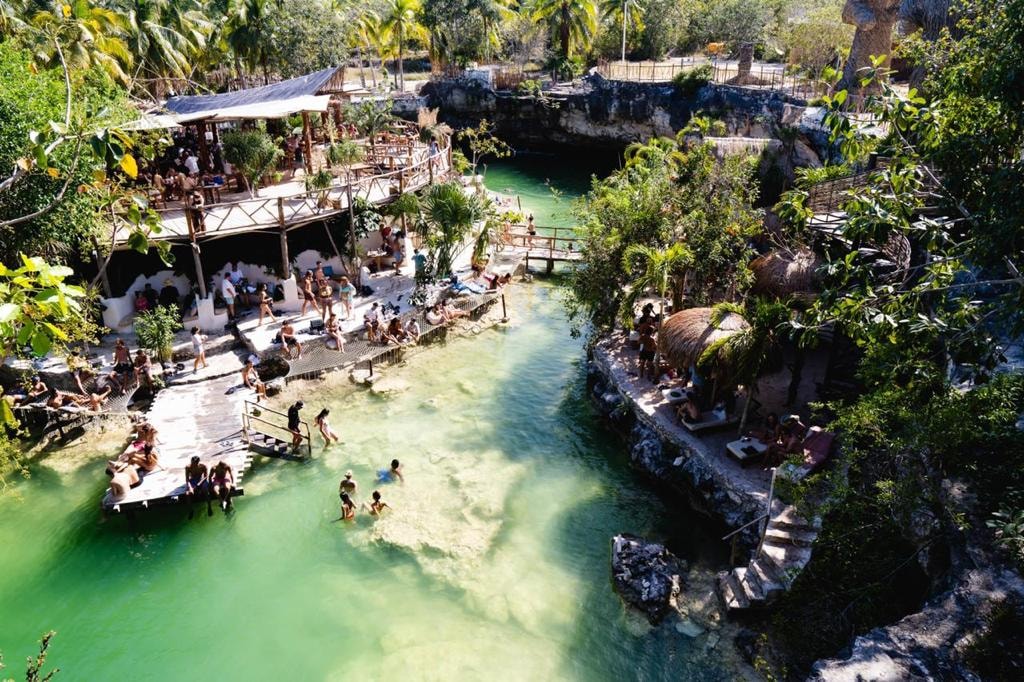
293 425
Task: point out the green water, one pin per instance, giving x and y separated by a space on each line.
533 175
493 563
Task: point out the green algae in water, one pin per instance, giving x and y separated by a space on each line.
492 565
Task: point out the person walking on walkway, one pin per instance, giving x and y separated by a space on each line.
199 350
293 425
227 290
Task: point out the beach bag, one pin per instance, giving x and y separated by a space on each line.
326 291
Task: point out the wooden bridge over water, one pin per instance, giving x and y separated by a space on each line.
550 245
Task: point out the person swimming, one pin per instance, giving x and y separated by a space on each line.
348 508
391 475
377 506
348 485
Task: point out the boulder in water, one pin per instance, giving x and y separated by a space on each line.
646 575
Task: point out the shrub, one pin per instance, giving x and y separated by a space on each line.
156 328
687 83
253 153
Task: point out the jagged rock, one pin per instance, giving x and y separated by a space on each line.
804 156
611 400
647 576
647 452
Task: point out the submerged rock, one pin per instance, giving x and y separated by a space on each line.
646 575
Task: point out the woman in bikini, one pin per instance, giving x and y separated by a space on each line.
222 482
265 303
377 506
325 428
334 332
348 508
308 297
345 293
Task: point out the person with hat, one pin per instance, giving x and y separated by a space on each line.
348 485
293 425
169 295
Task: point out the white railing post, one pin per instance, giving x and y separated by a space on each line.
768 514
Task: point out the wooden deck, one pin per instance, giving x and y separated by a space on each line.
287 205
558 245
193 419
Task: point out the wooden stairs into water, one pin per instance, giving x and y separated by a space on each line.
784 552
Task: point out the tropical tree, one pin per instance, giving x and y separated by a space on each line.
81 34
371 118
573 21
401 20
253 153
482 142
249 33
344 154
618 10
450 214
162 36
653 269
747 353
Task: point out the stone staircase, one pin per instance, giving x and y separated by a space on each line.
784 553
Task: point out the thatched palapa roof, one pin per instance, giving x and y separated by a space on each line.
783 273
685 335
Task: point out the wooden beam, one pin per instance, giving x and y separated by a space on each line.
204 153
200 277
307 143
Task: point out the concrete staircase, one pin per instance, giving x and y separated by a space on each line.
784 553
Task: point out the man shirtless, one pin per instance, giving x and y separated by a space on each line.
251 380
222 483
197 482
288 340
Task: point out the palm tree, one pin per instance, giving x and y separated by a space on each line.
371 118
402 22
249 33
163 36
658 269
82 35
654 153
747 353
574 20
619 11
450 214
492 13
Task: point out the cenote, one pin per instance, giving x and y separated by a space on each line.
494 562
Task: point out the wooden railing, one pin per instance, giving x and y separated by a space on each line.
559 243
251 413
415 170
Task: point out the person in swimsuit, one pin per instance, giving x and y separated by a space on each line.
348 508
377 506
197 482
288 340
348 485
393 474
265 302
334 332
37 391
122 365
345 293
645 365
308 297
325 291
143 368
251 379
325 428
394 333
222 483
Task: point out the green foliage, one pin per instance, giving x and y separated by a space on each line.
1007 526
572 23
39 311
482 142
450 214
34 666
818 38
253 153
304 35
156 329
370 117
657 270
687 83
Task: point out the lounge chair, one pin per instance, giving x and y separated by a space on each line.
710 420
817 448
746 451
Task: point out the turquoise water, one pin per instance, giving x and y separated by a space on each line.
533 175
492 564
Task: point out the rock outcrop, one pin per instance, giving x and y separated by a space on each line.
647 576
936 642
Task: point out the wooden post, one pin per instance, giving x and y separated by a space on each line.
307 143
286 265
102 267
200 277
204 153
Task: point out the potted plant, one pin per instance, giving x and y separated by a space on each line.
155 330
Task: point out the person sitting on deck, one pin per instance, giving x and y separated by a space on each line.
325 428
265 303
308 297
689 410
377 506
334 332
197 483
251 380
147 460
294 425
345 293
395 333
393 474
348 485
143 367
288 340
412 330
222 483
37 390
348 508
141 304
450 312
434 316
789 443
371 322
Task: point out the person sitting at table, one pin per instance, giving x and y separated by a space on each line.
186 185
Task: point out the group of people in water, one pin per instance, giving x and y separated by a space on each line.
348 488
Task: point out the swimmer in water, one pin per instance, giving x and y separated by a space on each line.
348 508
393 474
377 506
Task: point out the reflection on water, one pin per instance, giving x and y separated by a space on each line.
493 562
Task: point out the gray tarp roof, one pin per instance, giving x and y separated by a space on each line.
295 88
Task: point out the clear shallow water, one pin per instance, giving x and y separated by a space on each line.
532 175
492 565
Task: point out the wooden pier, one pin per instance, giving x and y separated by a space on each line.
558 246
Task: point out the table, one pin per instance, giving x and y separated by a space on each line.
735 449
211 193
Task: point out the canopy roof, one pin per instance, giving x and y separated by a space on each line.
305 93
683 337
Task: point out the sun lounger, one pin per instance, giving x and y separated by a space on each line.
746 450
709 420
817 448
674 395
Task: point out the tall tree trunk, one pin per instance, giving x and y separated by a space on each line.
564 31
401 66
795 375
362 73
266 72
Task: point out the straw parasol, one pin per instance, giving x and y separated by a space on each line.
783 273
685 335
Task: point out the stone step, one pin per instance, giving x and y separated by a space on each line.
751 588
791 536
732 596
789 518
786 560
771 584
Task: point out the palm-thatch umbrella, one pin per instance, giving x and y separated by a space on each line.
685 335
784 273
